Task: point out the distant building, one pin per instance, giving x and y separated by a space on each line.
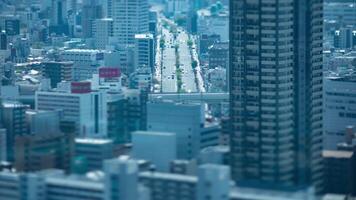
14 121
78 104
345 38
85 62
214 22
130 18
339 108
219 55
102 31
187 120
57 72
43 151
94 151
145 51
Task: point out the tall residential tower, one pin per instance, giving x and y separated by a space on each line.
276 92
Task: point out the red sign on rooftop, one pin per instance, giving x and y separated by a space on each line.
80 87
109 72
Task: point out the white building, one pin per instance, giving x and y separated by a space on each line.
102 31
159 148
86 62
130 18
81 106
339 108
144 51
187 120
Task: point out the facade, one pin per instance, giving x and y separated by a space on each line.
85 62
162 148
94 151
102 31
39 151
85 108
339 108
14 121
43 122
122 175
340 175
276 92
345 38
57 72
219 55
164 186
187 120
341 12
144 51
130 18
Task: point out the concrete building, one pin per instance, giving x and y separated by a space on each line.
43 122
14 121
214 182
130 18
164 186
341 12
57 72
91 10
85 62
159 148
340 175
144 51
345 38
94 151
43 151
275 106
339 108
102 31
187 120
219 55
122 175
86 108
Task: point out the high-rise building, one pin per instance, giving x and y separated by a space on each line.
130 18
144 51
276 92
102 31
91 10
14 121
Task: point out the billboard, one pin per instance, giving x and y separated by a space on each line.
80 87
109 72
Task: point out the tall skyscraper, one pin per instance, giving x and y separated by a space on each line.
276 92
130 18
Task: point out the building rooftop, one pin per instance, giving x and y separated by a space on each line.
169 176
337 154
92 141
